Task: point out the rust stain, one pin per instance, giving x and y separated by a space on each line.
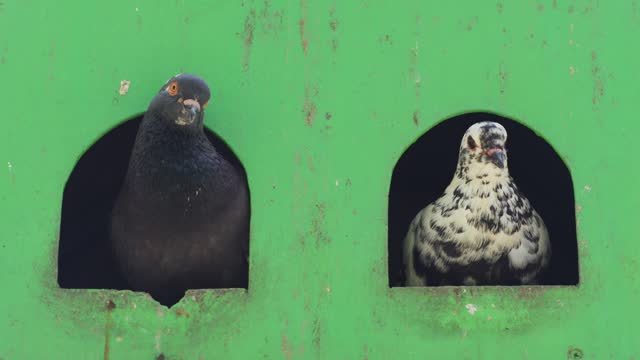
249 28
272 21
416 117
312 168
333 25
554 4
571 9
318 223
500 7
472 23
303 39
180 312
540 7
328 116
265 10
503 76
302 27
285 347
575 353
107 331
160 357
334 45
309 108
385 39
317 332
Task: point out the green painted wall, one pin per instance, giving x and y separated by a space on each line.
278 71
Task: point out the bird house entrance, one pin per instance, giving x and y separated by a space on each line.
427 167
85 258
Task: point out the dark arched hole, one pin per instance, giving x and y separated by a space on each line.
427 167
85 259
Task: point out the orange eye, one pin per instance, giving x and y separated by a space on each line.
172 89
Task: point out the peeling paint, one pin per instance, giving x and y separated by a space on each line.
124 87
471 308
598 82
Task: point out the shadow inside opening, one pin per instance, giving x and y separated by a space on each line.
426 168
85 257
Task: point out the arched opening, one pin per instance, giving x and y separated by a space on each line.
85 256
426 168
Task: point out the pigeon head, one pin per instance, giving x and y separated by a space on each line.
484 143
181 100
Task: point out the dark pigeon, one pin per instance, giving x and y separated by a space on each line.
181 220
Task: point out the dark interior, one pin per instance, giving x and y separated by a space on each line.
85 260
427 167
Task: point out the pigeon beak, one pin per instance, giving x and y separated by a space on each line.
189 112
497 156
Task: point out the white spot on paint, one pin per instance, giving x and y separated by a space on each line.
119 338
9 165
124 87
587 188
471 308
137 9
572 70
337 183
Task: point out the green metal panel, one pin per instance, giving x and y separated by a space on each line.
294 84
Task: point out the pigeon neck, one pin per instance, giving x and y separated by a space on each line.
165 136
471 170
164 152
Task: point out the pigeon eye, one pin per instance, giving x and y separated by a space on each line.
172 89
471 143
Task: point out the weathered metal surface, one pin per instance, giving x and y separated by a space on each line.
295 84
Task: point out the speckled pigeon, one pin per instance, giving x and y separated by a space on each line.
181 220
482 230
